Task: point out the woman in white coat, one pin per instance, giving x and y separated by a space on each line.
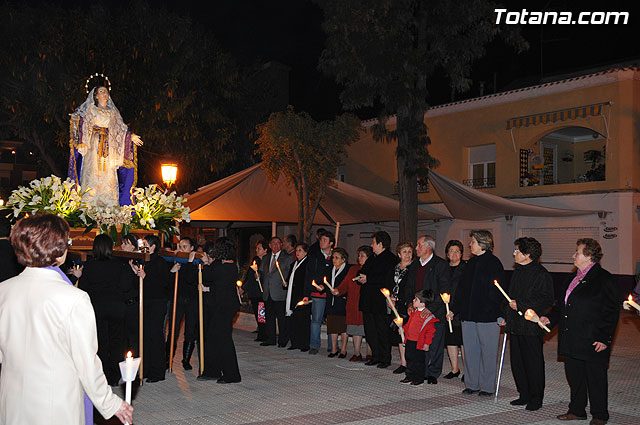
48 342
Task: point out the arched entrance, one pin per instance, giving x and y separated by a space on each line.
570 154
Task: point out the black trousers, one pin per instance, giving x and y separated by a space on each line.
262 331
299 326
110 328
275 310
587 379
187 308
435 356
376 331
415 361
220 360
154 345
527 366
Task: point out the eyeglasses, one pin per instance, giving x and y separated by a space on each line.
454 251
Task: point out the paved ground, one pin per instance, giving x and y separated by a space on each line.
290 387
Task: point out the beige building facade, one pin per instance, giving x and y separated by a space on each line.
572 143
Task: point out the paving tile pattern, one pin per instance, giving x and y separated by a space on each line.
290 387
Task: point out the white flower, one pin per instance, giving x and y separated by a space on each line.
152 223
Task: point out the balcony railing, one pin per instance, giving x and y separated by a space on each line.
480 183
422 185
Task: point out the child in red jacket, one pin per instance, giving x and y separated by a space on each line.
419 331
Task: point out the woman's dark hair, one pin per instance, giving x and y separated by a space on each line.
454 242
304 246
591 249
153 240
484 239
131 238
529 246
224 249
40 239
368 251
208 249
343 253
102 247
264 244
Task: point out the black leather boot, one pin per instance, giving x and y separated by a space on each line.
187 350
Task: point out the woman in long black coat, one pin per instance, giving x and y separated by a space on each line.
299 316
220 276
104 279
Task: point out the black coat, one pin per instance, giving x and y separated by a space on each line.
250 284
477 298
436 278
455 275
318 267
297 290
221 278
377 269
531 287
157 279
106 281
590 315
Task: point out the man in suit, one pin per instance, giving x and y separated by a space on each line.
373 276
275 292
431 272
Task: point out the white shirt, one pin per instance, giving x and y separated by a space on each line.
289 310
422 263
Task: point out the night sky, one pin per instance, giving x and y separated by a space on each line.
289 31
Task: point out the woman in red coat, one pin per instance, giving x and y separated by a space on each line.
355 327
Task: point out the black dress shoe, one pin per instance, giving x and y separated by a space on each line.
383 365
400 369
431 380
571 417
206 378
405 381
186 365
485 394
451 375
519 402
469 391
371 362
292 348
153 379
533 406
342 356
282 345
266 344
304 350
332 355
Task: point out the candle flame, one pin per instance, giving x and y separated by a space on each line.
300 303
277 264
630 297
495 282
325 280
445 297
398 321
385 292
239 283
531 315
129 354
254 266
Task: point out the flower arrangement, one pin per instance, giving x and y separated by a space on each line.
50 195
155 209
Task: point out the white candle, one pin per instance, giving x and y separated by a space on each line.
239 285
327 283
446 298
128 370
495 282
531 316
387 294
254 267
632 303
398 321
284 283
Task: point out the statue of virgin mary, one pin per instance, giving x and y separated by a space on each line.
103 154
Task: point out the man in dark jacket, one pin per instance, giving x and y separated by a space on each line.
531 288
431 272
373 275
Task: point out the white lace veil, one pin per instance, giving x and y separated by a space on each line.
117 128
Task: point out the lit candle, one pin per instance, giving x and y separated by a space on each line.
495 282
284 283
303 302
531 316
254 267
327 283
239 285
631 303
318 287
398 321
128 370
446 298
387 294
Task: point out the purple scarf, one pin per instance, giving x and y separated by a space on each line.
88 406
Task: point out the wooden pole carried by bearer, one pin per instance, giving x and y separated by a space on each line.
173 322
141 327
200 318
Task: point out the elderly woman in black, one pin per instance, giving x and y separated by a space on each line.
477 302
531 287
452 340
106 279
298 316
220 276
587 316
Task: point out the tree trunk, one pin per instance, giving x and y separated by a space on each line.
407 186
37 141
